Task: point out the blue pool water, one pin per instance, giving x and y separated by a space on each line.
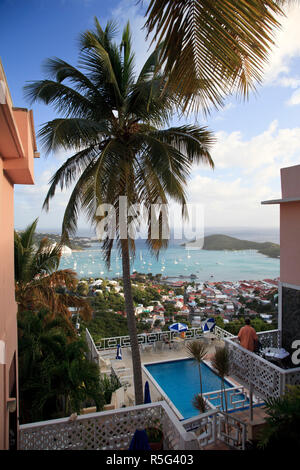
180 382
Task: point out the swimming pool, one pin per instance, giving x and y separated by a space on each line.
179 380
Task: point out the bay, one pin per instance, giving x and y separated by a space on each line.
177 262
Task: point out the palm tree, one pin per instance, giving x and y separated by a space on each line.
281 429
114 122
38 278
199 403
197 350
56 379
213 48
220 362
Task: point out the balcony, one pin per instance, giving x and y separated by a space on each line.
113 430
247 368
266 379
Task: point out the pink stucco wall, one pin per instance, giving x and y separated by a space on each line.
290 182
290 226
17 149
290 243
8 308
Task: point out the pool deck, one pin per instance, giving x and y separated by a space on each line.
123 368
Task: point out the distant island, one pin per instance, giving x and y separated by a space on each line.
225 242
75 243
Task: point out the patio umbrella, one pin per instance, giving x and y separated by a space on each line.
139 441
119 352
178 327
147 397
208 325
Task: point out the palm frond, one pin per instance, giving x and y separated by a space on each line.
46 258
196 350
220 362
23 251
75 133
102 61
127 77
64 99
67 173
213 48
194 142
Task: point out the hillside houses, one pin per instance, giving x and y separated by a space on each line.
197 301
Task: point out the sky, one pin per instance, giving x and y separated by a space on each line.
255 138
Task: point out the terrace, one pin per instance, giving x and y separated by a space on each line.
113 429
265 378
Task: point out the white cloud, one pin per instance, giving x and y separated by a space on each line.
274 146
295 98
233 199
29 200
287 47
247 172
233 203
289 82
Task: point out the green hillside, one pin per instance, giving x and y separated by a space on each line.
225 242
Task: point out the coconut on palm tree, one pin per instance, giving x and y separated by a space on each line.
38 278
116 124
214 48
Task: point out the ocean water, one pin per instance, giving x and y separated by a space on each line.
176 261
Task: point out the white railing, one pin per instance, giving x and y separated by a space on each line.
93 354
108 430
232 431
147 338
230 397
266 379
113 430
222 334
215 425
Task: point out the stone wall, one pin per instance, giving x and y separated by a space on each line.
290 317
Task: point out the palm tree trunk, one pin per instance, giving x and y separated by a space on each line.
136 358
200 377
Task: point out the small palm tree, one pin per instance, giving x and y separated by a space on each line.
197 350
283 421
213 48
199 403
220 362
115 122
38 278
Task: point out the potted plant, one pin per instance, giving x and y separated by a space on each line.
155 434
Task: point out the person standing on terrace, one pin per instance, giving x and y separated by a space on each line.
248 337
